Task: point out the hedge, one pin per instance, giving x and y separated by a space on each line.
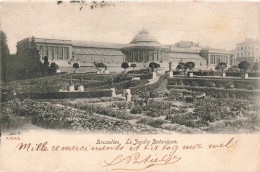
63 95
216 82
141 71
143 76
218 73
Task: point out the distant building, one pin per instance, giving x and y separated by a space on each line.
142 50
248 50
67 52
215 56
186 51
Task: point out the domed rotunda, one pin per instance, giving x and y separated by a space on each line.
144 48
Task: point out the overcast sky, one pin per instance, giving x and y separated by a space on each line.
220 25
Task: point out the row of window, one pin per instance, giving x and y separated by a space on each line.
216 59
54 52
98 58
246 48
134 56
247 53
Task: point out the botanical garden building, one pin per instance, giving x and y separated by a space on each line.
142 50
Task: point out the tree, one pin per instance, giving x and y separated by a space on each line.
180 66
189 65
53 68
233 68
133 66
221 66
244 65
99 66
153 65
256 67
46 61
29 57
75 66
124 66
5 53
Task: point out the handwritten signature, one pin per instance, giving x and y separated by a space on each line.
144 161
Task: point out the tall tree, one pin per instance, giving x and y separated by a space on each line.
28 54
5 53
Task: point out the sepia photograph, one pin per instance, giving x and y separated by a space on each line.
129 68
112 67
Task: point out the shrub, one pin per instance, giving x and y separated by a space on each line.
136 110
244 65
133 66
153 65
124 65
156 123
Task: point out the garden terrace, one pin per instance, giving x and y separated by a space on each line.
221 92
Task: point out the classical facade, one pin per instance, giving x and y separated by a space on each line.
186 51
215 56
248 50
67 52
54 49
142 50
145 49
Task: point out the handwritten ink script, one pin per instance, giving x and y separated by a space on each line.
132 154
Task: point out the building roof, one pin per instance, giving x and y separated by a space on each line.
144 37
185 56
52 41
215 50
183 50
145 40
248 41
92 44
184 44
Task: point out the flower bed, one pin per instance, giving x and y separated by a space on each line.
48 115
221 92
211 110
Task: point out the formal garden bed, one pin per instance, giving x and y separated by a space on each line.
188 108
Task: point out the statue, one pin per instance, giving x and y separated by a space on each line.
170 66
71 83
81 79
71 87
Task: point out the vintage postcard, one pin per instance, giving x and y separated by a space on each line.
149 86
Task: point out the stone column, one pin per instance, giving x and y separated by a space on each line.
157 55
209 56
70 52
143 56
132 55
63 53
138 59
